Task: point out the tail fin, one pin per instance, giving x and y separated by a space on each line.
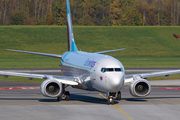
70 36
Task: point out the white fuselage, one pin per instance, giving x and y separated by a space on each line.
95 71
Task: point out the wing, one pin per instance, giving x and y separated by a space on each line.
37 53
62 79
110 51
129 78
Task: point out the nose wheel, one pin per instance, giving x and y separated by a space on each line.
110 100
112 95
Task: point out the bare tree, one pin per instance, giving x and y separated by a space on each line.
5 7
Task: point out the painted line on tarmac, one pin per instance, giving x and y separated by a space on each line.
14 92
102 96
17 88
117 108
122 112
169 88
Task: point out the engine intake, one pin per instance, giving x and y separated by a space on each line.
51 88
140 88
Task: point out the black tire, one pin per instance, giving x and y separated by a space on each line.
118 96
59 98
67 95
110 101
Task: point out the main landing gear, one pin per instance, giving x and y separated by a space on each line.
114 94
64 94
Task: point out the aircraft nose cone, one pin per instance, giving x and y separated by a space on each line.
115 82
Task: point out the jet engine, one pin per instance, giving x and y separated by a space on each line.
140 88
51 88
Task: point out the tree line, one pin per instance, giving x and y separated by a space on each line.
91 12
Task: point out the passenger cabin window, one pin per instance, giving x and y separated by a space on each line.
110 69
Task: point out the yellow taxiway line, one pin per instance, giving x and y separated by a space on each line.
117 108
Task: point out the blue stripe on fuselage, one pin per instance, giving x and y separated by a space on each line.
74 48
64 56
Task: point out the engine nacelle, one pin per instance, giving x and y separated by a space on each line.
140 88
51 88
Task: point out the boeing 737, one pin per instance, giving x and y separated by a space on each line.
89 71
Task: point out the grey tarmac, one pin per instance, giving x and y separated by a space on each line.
31 105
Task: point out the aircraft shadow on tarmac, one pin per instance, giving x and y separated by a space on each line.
90 99
145 99
19 99
82 98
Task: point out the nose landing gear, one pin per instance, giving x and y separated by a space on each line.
110 100
114 94
118 96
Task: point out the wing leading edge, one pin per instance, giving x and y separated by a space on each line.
62 79
102 52
37 53
129 78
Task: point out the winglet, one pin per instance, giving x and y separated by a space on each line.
70 36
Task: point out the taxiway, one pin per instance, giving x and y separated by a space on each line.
29 104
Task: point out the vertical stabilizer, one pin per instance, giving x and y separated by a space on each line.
70 36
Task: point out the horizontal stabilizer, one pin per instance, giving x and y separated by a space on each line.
110 51
37 53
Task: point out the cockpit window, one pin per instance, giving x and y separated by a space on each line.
110 69
103 70
117 69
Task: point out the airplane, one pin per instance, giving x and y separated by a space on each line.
89 71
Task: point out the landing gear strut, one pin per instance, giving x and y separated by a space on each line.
110 98
118 97
67 95
59 98
113 94
64 94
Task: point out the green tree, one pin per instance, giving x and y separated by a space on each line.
18 18
50 19
151 18
59 12
143 8
115 12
